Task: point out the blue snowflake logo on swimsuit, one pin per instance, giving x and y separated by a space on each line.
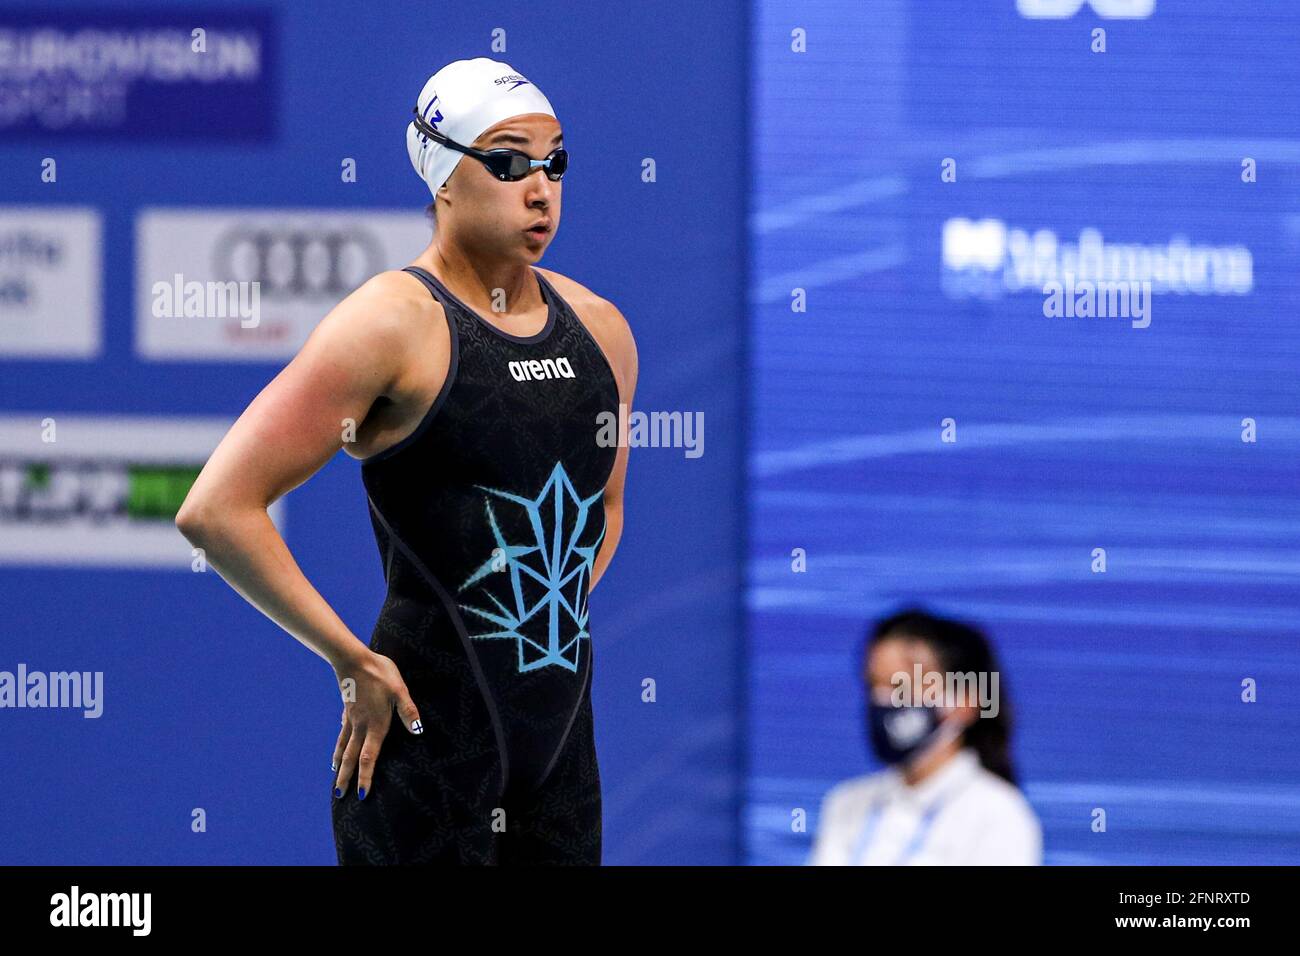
548 575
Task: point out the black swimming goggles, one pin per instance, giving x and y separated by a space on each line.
507 165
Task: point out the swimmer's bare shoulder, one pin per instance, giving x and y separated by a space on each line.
361 380
607 326
346 387
393 331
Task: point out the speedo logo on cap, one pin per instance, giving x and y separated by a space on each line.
514 78
543 368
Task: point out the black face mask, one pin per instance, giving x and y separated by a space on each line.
895 733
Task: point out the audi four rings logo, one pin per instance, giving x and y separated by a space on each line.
295 262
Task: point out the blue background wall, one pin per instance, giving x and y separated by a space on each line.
207 703
1071 434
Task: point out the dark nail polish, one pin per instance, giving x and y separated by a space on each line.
337 793
361 793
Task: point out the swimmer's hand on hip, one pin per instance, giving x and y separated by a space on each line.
372 686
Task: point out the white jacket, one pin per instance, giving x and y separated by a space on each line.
960 815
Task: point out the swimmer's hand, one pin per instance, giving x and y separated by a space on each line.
371 687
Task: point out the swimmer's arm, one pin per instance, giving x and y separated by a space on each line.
624 358
288 432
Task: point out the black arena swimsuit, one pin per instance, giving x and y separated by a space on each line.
488 519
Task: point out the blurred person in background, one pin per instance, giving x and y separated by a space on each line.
948 793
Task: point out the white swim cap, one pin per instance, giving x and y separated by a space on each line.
462 100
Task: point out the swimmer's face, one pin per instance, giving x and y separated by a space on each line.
495 216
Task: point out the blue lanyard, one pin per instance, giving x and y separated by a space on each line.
913 845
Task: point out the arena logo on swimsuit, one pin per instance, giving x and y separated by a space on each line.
545 368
